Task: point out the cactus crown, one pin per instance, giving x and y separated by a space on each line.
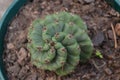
59 42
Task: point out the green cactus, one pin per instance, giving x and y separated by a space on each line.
59 42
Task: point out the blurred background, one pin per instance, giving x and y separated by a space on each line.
3 6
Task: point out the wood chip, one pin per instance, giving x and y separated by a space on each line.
117 29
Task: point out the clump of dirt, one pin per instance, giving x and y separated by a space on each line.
98 16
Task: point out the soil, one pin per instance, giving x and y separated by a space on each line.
98 16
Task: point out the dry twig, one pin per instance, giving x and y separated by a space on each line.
115 40
102 77
96 66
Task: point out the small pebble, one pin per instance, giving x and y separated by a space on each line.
110 56
86 76
110 62
116 64
108 71
89 1
14 69
98 38
22 54
10 46
117 71
40 78
110 34
32 76
22 36
23 73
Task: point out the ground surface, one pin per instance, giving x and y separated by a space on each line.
98 17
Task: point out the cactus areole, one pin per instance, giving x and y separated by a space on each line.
59 42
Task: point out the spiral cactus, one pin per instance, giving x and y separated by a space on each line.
59 42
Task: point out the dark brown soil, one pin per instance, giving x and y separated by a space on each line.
98 16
